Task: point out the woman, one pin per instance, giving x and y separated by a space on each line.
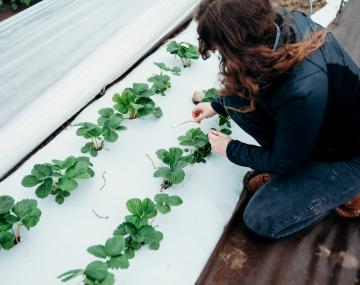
290 85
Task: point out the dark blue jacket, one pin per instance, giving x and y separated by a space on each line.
310 113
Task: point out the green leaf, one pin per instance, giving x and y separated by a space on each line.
6 203
110 135
67 184
42 171
7 240
97 250
68 162
154 245
60 199
115 245
129 252
71 274
226 131
157 112
161 198
134 206
118 262
44 189
109 280
106 112
148 208
177 176
174 201
163 208
120 230
162 172
30 181
96 270
150 234
28 212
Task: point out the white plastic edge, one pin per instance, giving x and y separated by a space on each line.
64 99
328 13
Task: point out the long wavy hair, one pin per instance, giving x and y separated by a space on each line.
244 33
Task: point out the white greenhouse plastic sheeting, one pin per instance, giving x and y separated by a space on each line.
210 191
57 55
328 13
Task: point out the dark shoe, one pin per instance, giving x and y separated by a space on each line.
253 180
351 209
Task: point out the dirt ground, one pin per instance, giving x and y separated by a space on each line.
301 5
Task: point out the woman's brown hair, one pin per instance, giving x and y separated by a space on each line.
244 33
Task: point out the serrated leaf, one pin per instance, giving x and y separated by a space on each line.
106 112
60 199
134 206
30 181
174 201
118 262
163 208
161 198
154 245
42 171
96 270
97 250
67 184
177 176
44 189
114 246
109 280
7 240
28 212
6 203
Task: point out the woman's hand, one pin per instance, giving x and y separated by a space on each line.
219 142
202 111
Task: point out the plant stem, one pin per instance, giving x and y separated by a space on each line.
152 162
97 215
183 123
94 142
104 179
17 232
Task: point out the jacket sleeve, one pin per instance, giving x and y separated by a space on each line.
298 120
218 106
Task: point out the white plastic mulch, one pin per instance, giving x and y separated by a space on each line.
210 191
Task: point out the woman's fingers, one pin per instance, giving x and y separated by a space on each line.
197 114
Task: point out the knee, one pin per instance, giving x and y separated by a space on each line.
260 221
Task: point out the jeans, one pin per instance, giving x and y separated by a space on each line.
286 205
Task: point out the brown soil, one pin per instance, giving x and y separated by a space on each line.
301 5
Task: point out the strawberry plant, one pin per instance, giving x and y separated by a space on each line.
13 217
185 51
160 82
199 142
58 178
106 129
136 102
112 252
173 173
95 273
127 238
175 70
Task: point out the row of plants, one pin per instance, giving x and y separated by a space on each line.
137 229
60 177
